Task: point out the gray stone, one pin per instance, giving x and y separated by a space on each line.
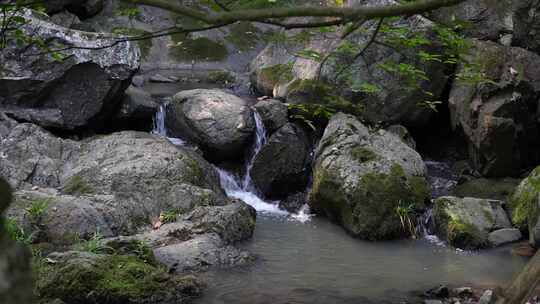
504 236
495 118
161 79
360 177
466 222
66 19
80 91
282 165
294 202
220 123
402 132
273 113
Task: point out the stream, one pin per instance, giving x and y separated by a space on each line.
306 259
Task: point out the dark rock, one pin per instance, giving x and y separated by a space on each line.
440 291
82 8
81 91
360 177
220 123
137 110
281 166
66 19
273 114
294 202
497 119
498 189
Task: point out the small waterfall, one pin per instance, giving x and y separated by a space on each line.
260 140
425 228
159 126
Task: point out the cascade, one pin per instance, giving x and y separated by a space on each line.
240 188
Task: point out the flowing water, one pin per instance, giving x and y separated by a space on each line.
304 259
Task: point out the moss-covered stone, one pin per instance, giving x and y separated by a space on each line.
221 77
89 278
458 233
244 36
369 211
187 48
77 186
524 202
498 189
276 74
363 154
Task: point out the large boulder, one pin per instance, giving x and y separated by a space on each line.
279 72
81 90
466 222
137 110
15 271
220 123
525 206
282 165
362 178
498 117
513 22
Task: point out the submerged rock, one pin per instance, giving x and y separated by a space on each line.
281 166
80 91
496 118
362 177
466 222
220 123
525 206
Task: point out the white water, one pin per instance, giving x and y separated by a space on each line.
242 189
159 126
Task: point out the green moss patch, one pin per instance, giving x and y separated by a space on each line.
369 211
244 36
276 74
363 154
110 279
77 186
187 48
524 202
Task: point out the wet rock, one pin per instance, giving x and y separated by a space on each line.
15 271
498 189
281 166
220 123
525 206
504 236
273 114
466 222
496 118
362 176
463 292
294 202
440 291
66 19
277 72
81 91
83 277
137 109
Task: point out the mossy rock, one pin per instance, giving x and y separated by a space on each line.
271 76
190 49
524 201
76 185
112 279
458 233
498 189
369 211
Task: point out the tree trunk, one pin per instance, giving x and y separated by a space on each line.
524 285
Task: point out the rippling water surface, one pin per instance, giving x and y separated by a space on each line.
317 262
